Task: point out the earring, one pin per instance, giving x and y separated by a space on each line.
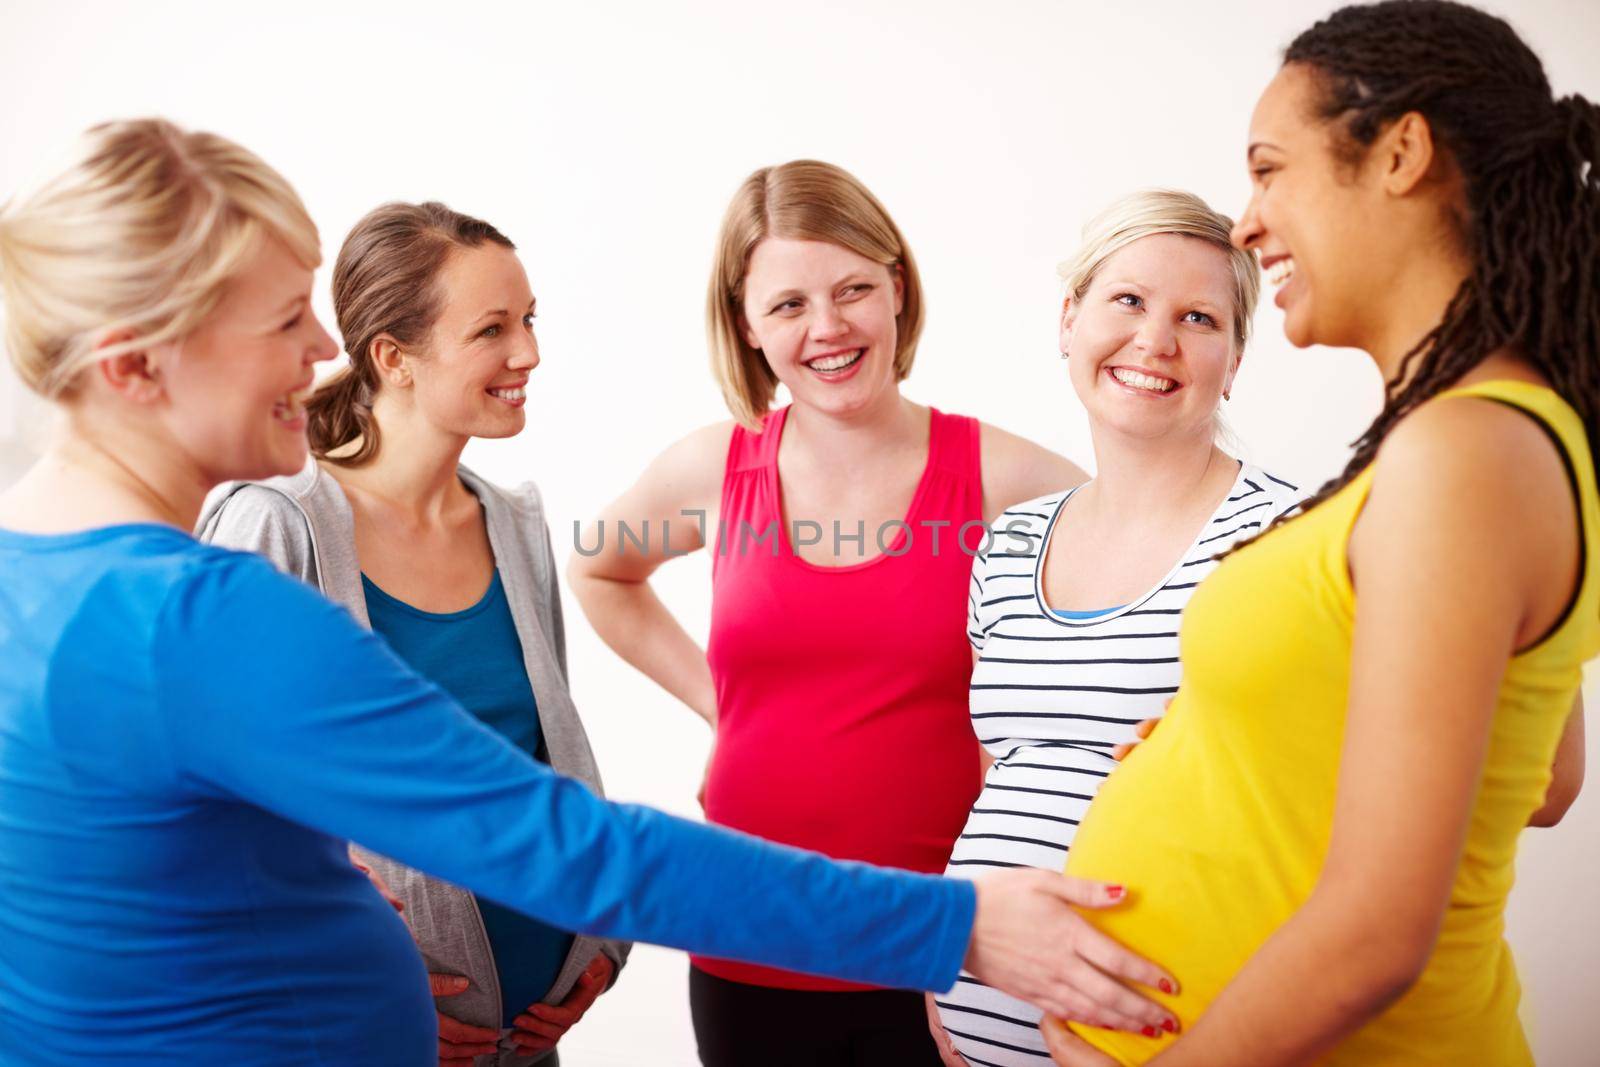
1066 353
1226 395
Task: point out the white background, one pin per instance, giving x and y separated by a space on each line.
606 139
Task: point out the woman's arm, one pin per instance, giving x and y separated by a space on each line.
1015 469
1459 551
1566 774
272 696
613 584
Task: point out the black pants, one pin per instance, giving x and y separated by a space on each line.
739 1025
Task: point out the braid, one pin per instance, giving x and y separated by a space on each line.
1532 174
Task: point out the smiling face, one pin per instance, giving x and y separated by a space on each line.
1317 222
472 380
232 391
823 317
1150 343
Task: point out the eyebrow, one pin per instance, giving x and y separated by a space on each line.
500 313
788 294
1259 144
290 305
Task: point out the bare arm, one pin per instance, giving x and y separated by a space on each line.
613 584
1566 773
1454 494
1015 469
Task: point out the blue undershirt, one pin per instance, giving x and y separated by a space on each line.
1067 613
475 655
188 738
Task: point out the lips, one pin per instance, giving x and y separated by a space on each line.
834 362
1144 381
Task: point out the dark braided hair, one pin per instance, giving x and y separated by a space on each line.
1531 168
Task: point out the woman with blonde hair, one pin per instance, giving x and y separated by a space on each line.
188 738
437 317
842 527
1073 616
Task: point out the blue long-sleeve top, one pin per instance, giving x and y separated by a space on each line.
187 740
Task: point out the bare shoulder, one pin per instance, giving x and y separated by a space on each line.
1017 469
1474 479
689 471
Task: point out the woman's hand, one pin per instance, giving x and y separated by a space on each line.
542 1025
378 883
1067 1049
460 1043
1028 941
1120 752
941 1040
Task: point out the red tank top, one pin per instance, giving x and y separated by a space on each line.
842 722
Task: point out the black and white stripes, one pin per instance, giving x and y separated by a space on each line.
1050 698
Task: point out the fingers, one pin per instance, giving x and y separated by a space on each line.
1115 960
447 985
454 1031
452 1051
1067 1049
1092 997
1144 729
1084 892
535 1026
948 1056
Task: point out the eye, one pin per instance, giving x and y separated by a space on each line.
1128 300
527 320
1200 318
787 305
859 289
1259 173
490 331
292 323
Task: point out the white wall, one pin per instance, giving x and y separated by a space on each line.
606 138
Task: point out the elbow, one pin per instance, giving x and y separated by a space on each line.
1557 802
1382 952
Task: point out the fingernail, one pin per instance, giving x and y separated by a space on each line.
1114 892
1165 986
1149 1031
1169 1026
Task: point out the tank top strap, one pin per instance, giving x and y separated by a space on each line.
955 463
755 451
1564 426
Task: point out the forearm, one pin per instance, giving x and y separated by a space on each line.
1325 973
637 626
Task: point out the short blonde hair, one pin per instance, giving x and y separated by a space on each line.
800 200
1153 211
141 234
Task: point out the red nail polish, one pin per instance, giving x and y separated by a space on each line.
1169 1026
1114 892
1149 1031
1165 986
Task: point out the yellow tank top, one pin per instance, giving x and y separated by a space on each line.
1219 824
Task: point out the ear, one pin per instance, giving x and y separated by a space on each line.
389 361
899 274
1405 153
134 375
1069 315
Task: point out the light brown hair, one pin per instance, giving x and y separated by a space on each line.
799 200
385 283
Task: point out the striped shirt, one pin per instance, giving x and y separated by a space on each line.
1050 698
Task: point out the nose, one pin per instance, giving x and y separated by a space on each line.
323 347
525 356
1156 337
1248 230
828 323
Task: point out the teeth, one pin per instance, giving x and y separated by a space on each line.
509 394
832 363
1280 272
292 406
1141 381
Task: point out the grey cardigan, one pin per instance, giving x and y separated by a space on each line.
304 525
